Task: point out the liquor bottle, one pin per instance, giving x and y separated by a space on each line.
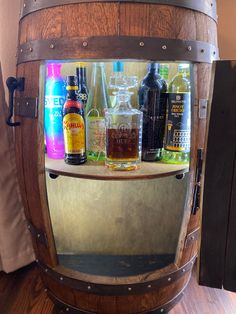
152 102
178 119
123 129
74 125
97 104
118 70
82 83
54 99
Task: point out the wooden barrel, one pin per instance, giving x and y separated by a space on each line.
98 29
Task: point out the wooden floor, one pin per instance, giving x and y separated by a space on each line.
22 293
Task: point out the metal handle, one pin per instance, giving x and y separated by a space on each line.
197 189
12 85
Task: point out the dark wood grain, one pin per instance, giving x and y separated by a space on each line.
22 292
230 260
219 167
29 138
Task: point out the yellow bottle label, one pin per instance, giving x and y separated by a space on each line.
74 133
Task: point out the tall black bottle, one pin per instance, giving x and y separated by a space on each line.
152 102
82 83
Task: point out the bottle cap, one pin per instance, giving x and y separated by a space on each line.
118 66
54 69
164 66
80 71
81 64
98 64
183 66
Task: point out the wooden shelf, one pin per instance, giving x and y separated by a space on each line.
98 171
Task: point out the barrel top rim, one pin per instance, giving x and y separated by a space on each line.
209 9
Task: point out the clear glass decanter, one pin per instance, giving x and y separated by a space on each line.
123 128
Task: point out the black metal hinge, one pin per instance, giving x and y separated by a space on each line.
192 237
13 84
39 235
26 107
197 189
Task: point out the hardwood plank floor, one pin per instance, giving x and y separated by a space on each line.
22 292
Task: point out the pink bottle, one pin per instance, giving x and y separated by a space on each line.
54 100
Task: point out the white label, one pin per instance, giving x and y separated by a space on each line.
95 134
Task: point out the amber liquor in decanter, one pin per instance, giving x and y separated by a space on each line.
123 128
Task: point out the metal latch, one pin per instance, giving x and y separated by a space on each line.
26 107
203 104
13 84
192 237
197 189
39 235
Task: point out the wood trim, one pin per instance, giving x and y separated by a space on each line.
98 171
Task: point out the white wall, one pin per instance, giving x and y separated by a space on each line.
227 28
9 19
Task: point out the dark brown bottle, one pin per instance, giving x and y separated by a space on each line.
152 102
73 125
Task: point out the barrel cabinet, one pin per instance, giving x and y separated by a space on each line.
151 30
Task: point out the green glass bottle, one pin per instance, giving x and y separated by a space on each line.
178 118
97 104
164 71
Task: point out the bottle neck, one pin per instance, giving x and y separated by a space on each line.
98 96
153 71
72 93
118 67
81 73
153 67
54 70
98 74
123 101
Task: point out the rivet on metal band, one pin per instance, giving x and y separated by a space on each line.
119 289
